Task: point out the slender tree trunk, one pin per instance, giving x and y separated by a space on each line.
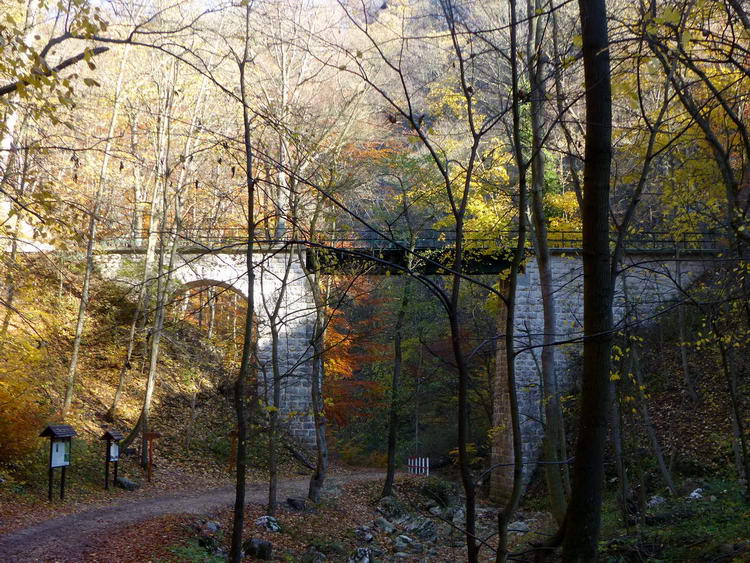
687 378
395 390
277 379
91 235
139 319
162 292
320 298
647 422
550 394
211 311
10 283
511 400
737 415
635 367
321 445
582 521
273 423
249 344
622 476
10 121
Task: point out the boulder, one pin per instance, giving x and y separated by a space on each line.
459 516
416 547
312 555
127 484
258 548
697 494
487 513
363 534
296 503
444 493
518 527
391 508
402 542
360 555
384 525
655 501
424 528
208 534
269 523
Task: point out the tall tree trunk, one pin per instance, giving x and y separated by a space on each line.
10 282
550 394
273 423
510 400
622 476
320 298
249 343
10 121
395 390
141 305
276 322
648 424
737 414
635 367
687 378
91 235
317 479
582 521
156 333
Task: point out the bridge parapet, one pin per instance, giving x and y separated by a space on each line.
234 237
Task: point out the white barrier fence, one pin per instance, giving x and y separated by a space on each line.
418 465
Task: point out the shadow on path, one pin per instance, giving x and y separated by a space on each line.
68 537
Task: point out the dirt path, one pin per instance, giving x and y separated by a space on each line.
69 536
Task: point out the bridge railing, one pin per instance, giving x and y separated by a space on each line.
645 241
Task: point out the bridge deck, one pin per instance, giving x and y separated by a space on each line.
433 250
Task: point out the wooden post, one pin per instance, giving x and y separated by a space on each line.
51 473
62 483
106 463
114 476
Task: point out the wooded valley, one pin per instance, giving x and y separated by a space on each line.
393 280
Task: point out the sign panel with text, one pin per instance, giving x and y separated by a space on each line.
60 453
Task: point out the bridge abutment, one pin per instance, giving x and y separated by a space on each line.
652 282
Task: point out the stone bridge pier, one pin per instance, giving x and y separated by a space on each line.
281 293
652 279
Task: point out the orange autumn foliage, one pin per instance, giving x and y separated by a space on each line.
349 345
20 421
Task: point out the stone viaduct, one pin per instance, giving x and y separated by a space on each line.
279 276
653 274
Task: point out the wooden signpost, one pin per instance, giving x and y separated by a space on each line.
150 437
59 452
111 454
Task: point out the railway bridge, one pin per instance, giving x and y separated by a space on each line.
655 265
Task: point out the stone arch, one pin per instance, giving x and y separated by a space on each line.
184 287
